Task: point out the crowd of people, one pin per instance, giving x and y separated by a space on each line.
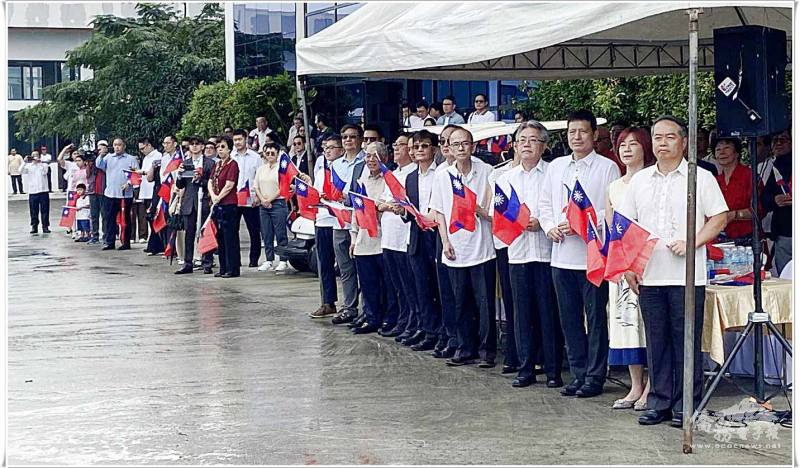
418 254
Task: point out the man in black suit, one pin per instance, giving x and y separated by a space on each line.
299 154
194 175
422 243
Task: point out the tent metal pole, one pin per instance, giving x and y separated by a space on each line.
301 9
691 215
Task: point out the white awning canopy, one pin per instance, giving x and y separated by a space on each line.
505 40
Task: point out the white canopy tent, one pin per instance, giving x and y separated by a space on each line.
540 41
537 41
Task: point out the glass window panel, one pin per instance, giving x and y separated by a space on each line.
342 12
312 7
15 83
36 82
50 72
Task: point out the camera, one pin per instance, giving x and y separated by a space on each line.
188 169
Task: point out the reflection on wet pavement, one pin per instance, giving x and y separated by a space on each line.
112 359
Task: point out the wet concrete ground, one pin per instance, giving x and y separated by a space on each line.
112 359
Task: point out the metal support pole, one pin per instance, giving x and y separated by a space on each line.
300 83
691 214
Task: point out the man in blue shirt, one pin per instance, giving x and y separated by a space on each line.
119 194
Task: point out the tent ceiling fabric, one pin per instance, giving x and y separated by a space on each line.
503 40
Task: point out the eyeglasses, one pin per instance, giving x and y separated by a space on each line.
328 148
533 141
397 145
349 136
442 141
460 144
297 143
370 139
422 146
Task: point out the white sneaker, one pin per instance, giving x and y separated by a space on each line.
282 266
142 241
266 266
180 261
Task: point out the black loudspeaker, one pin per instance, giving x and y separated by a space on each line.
750 79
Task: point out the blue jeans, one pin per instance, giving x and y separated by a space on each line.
476 321
663 315
587 347
273 226
536 318
326 266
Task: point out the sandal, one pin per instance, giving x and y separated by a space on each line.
623 404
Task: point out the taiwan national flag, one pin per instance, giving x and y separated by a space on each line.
134 178
510 216
72 198
366 213
307 199
579 211
423 222
287 171
629 247
397 189
160 220
174 163
785 188
208 237
67 217
465 202
333 185
165 190
243 194
342 213
500 143
596 255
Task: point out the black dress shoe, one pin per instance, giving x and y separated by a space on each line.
184 271
229 275
520 382
403 336
555 383
124 247
487 363
570 389
146 250
365 328
356 323
108 247
207 271
677 419
589 390
46 231
425 345
391 333
218 274
253 265
34 231
417 337
461 361
445 353
509 369
344 316
653 417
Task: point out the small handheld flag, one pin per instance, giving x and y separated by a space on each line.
580 211
72 198
134 178
510 216
165 190
175 162
333 185
208 237
67 217
307 199
243 194
366 213
287 171
596 255
160 220
464 204
397 189
629 247
343 214
785 188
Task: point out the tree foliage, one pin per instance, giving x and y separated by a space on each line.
632 100
145 70
215 106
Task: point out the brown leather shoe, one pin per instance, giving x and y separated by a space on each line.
324 311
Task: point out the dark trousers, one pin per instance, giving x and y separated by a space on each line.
94 214
62 183
449 329
110 231
253 222
16 184
39 206
370 277
423 272
391 298
140 218
189 235
510 350
227 219
476 322
663 316
323 242
49 178
157 240
536 318
399 274
102 215
273 227
587 347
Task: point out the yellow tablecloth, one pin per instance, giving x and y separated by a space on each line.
727 307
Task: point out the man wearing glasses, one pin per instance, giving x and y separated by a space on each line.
482 113
468 254
450 115
299 154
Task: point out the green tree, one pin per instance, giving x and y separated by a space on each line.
217 105
145 70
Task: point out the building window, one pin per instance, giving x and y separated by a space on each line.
26 80
264 37
14 82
